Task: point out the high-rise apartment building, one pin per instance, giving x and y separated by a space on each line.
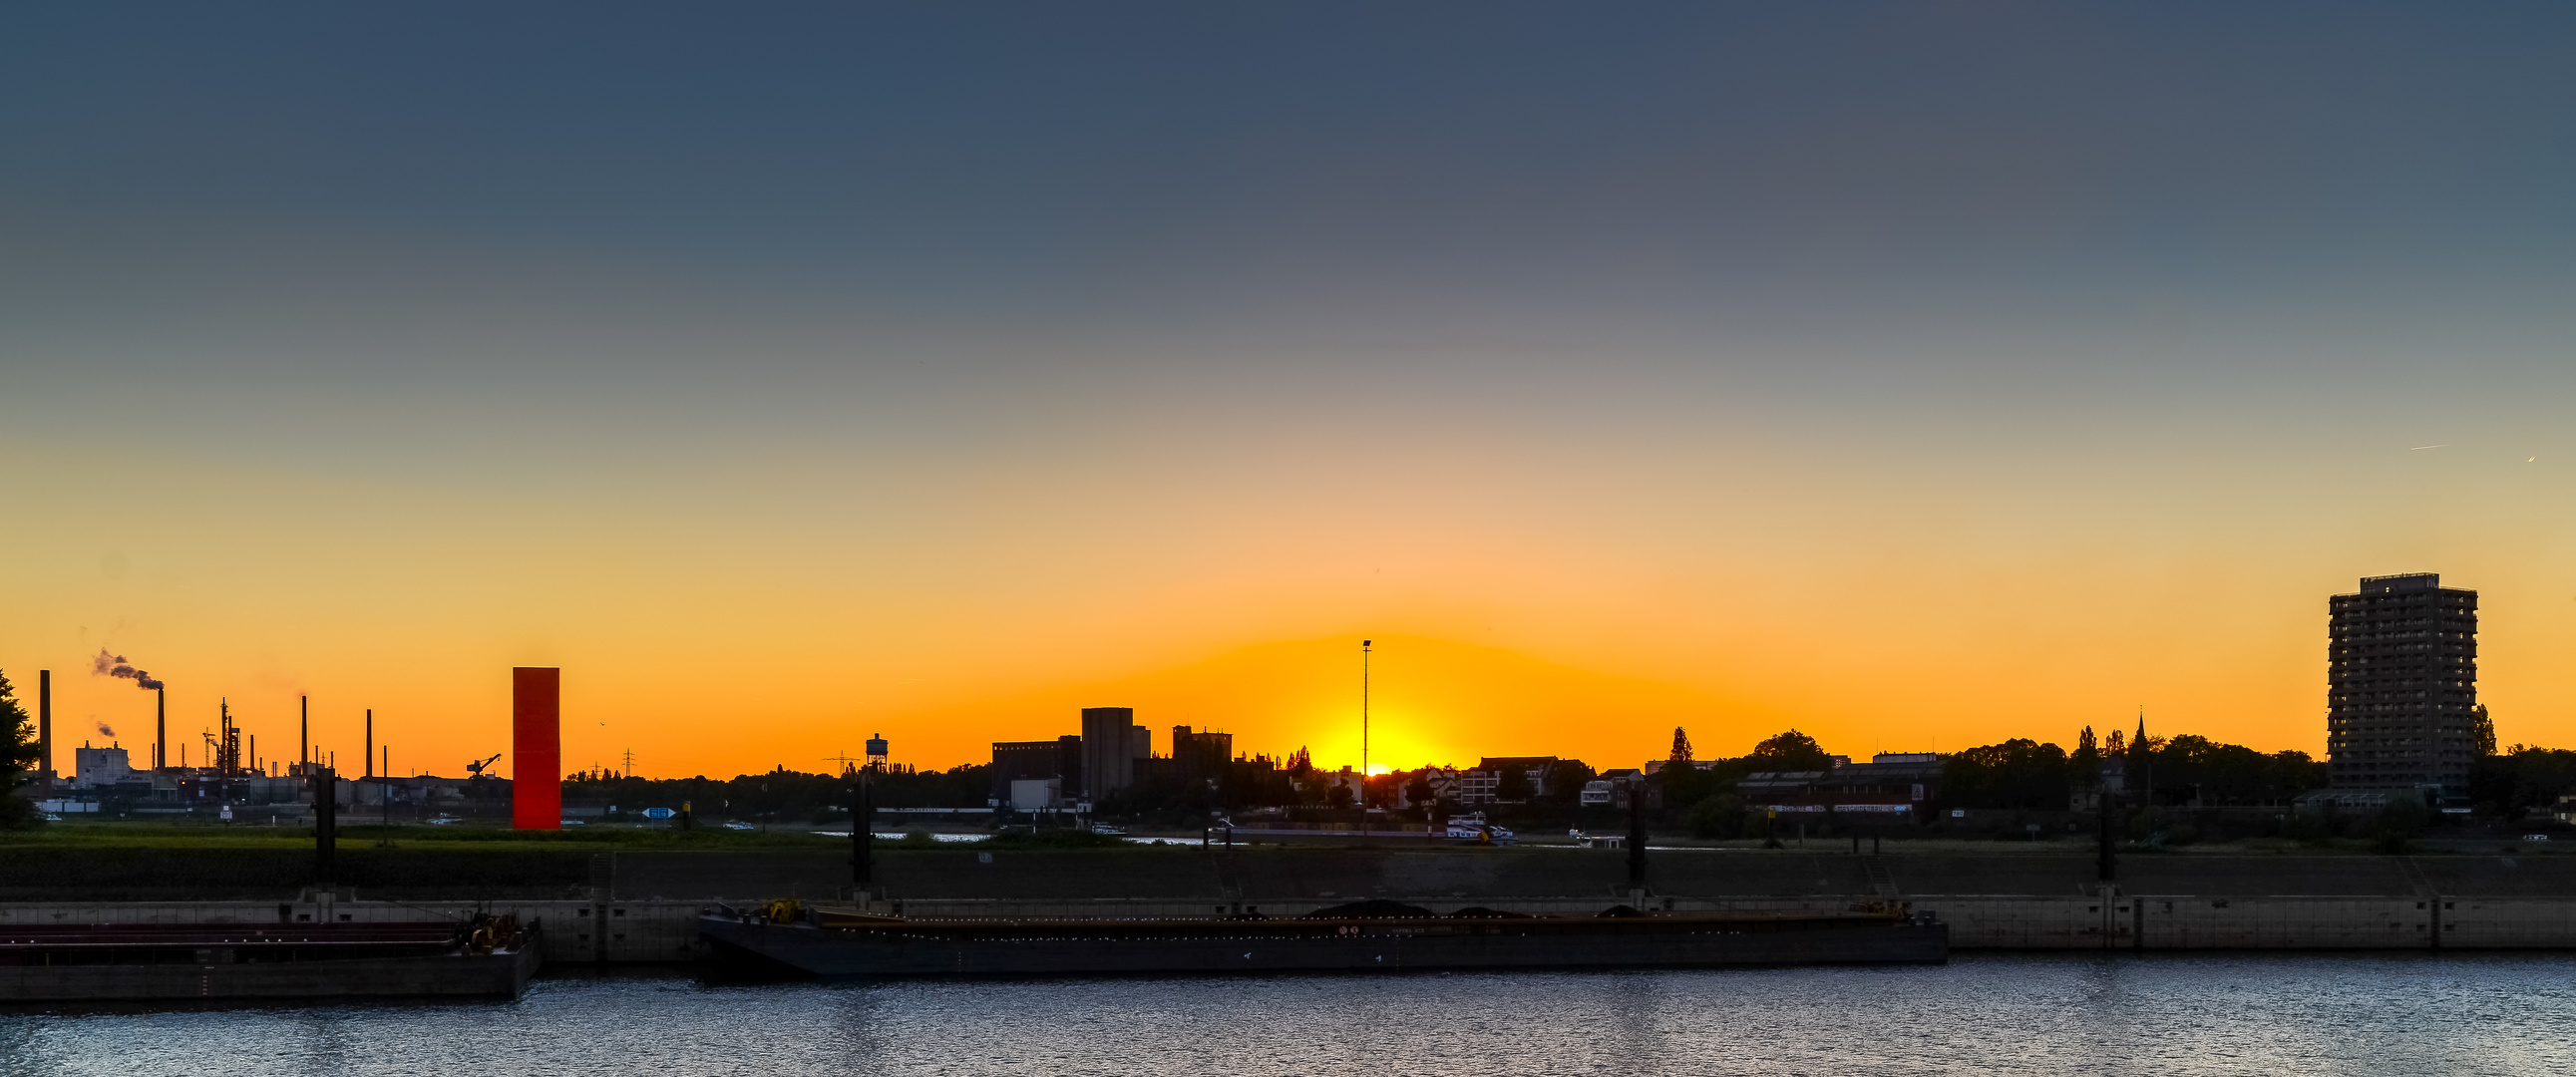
2401 681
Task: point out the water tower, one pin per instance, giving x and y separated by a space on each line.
877 753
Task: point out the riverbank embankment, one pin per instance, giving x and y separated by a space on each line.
618 907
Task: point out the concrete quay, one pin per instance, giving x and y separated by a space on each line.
642 907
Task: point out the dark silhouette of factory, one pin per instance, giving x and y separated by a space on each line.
2402 686
1110 754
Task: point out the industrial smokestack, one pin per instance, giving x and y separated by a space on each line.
160 728
45 725
304 730
371 743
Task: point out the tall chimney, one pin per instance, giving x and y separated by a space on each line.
371 743
45 725
160 728
536 748
304 729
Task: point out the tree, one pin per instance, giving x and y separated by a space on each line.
2084 764
2192 767
1339 796
2018 773
1719 815
1681 746
17 756
1418 789
1791 750
1512 785
1379 791
1566 782
2482 732
2522 778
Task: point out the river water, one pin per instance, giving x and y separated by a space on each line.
2041 1015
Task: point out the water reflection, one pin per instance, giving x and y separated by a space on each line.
2311 1014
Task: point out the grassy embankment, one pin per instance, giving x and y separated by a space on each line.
156 835
466 837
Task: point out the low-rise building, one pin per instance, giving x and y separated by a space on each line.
1612 788
93 767
1890 783
1035 760
1036 794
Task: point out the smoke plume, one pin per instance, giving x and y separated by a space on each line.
114 665
106 730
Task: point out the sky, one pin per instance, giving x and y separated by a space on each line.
1912 375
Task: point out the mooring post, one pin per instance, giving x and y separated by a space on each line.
326 819
862 805
2107 864
1637 833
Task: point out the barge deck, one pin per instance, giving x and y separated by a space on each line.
489 957
1375 936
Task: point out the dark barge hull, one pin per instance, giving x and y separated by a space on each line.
1023 948
226 966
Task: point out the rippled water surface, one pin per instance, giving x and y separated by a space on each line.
1980 1015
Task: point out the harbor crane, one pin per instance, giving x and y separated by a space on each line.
476 769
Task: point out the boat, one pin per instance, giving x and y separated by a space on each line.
488 956
1479 832
1369 936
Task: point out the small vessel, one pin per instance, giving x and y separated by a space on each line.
490 956
1368 936
1476 831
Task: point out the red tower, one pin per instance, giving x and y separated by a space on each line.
536 748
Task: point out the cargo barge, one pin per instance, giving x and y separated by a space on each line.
487 957
1373 936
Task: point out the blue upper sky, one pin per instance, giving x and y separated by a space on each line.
1336 169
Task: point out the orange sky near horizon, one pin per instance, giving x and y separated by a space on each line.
416 603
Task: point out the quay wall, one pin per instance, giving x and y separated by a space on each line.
624 932
642 907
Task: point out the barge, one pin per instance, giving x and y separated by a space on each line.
1372 936
487 957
